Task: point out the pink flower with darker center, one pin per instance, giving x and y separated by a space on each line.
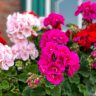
56 60
88 10
54 35
54 20
55 78
73 64
54 69
23 50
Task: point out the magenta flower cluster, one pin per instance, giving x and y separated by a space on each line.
54 19
55 36
88 10
56 59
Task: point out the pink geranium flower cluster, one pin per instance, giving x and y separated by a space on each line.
6 57
54 20
20 26
54 35
88 10
25 50
56 60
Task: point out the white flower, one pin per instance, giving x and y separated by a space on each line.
19 26
6 57
23 50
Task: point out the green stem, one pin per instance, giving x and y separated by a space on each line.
17 79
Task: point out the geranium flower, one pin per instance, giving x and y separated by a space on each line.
54 35
88 10
54 60
86 37
20 26
55 78
54 20
23 50
73 64
6 57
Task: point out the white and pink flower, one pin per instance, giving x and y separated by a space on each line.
23 50
6 57
20 26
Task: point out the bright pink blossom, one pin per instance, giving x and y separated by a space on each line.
55 60
36 81
55 78
54 20
88 10
54 35
73 64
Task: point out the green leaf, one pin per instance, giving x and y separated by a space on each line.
56 91
22 77
83 89
33 68
66 87
1 93
5 84
34 92
75 79
93 76
84 66
11 94
49 85
48 91
84 62
85 73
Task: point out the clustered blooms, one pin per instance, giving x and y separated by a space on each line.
55 60
54 20
34 80
6 57
86 37
88 10
52 36
24 50
21 25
